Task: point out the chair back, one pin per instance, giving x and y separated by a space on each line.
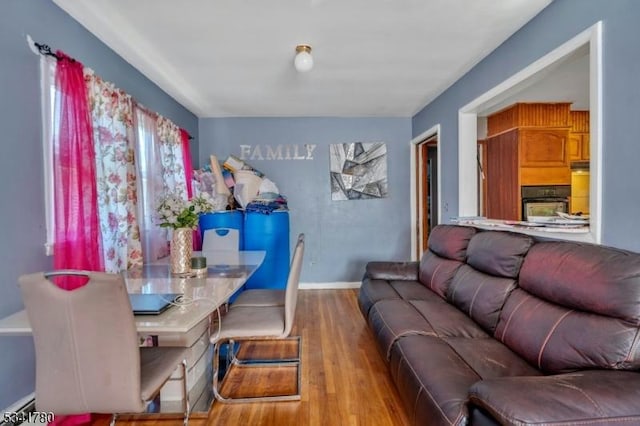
86 344
221 239
293 281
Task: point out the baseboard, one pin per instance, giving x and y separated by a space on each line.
335 285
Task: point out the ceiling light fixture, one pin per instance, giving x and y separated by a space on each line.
304 60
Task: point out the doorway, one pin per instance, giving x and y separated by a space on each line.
426 184
469 191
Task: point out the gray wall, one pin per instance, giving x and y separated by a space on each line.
21 191
341 236
559 22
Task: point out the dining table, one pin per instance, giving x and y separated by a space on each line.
188 323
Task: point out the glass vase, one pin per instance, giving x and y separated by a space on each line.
181 250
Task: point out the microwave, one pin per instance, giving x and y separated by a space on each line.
545 200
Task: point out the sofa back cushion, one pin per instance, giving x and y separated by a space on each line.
451 241
578 307
446 253
481 287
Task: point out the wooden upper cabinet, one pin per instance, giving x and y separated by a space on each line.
579 136
579 147
544 147
529 115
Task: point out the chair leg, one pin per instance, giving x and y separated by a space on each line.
248 364
114 416
185 390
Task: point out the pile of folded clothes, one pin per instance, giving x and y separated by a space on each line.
267 203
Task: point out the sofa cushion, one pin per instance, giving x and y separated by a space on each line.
556 339
585 277
433 375
446 320
577 308
393 319
436 273
451 241
480 287
489 358
372 291
498 253
412 290
432 380
480 296
594 397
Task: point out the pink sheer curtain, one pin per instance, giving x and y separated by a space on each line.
186 156
188 174
77 232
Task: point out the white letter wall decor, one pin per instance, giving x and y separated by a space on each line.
279 152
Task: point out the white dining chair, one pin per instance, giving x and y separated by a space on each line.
88 358
221 239
243 324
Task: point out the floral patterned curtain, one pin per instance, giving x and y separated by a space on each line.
114 138
173 171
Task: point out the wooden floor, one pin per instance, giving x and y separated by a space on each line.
344 379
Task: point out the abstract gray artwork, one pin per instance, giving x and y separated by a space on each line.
358 170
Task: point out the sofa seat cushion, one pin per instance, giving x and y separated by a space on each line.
392 319
593 397
490 358
374 290
413 290
433 375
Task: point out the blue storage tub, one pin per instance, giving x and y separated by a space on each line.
269 232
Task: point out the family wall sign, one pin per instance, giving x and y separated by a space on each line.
277 152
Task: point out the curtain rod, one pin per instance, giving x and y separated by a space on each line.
44 49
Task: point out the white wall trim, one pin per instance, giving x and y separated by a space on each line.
336 285
427 134
468 114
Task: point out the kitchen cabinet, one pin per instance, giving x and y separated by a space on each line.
579 147
544 158
520 157
579 136
502 194
527 145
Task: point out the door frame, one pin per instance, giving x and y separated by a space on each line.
416 205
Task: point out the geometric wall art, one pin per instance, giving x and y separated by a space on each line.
358 170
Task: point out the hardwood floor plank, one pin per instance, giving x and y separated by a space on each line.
344 378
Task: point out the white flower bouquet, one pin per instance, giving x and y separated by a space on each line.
176 212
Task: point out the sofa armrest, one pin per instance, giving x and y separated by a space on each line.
587 397
392 270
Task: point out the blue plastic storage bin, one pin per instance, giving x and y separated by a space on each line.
269 232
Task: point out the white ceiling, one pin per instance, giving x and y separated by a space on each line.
222 58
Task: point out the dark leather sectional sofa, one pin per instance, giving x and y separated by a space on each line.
492 327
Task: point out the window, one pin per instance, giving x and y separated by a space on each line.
138 158
49 123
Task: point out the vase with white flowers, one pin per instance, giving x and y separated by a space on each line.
182 217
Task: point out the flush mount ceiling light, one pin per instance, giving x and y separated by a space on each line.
304 60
